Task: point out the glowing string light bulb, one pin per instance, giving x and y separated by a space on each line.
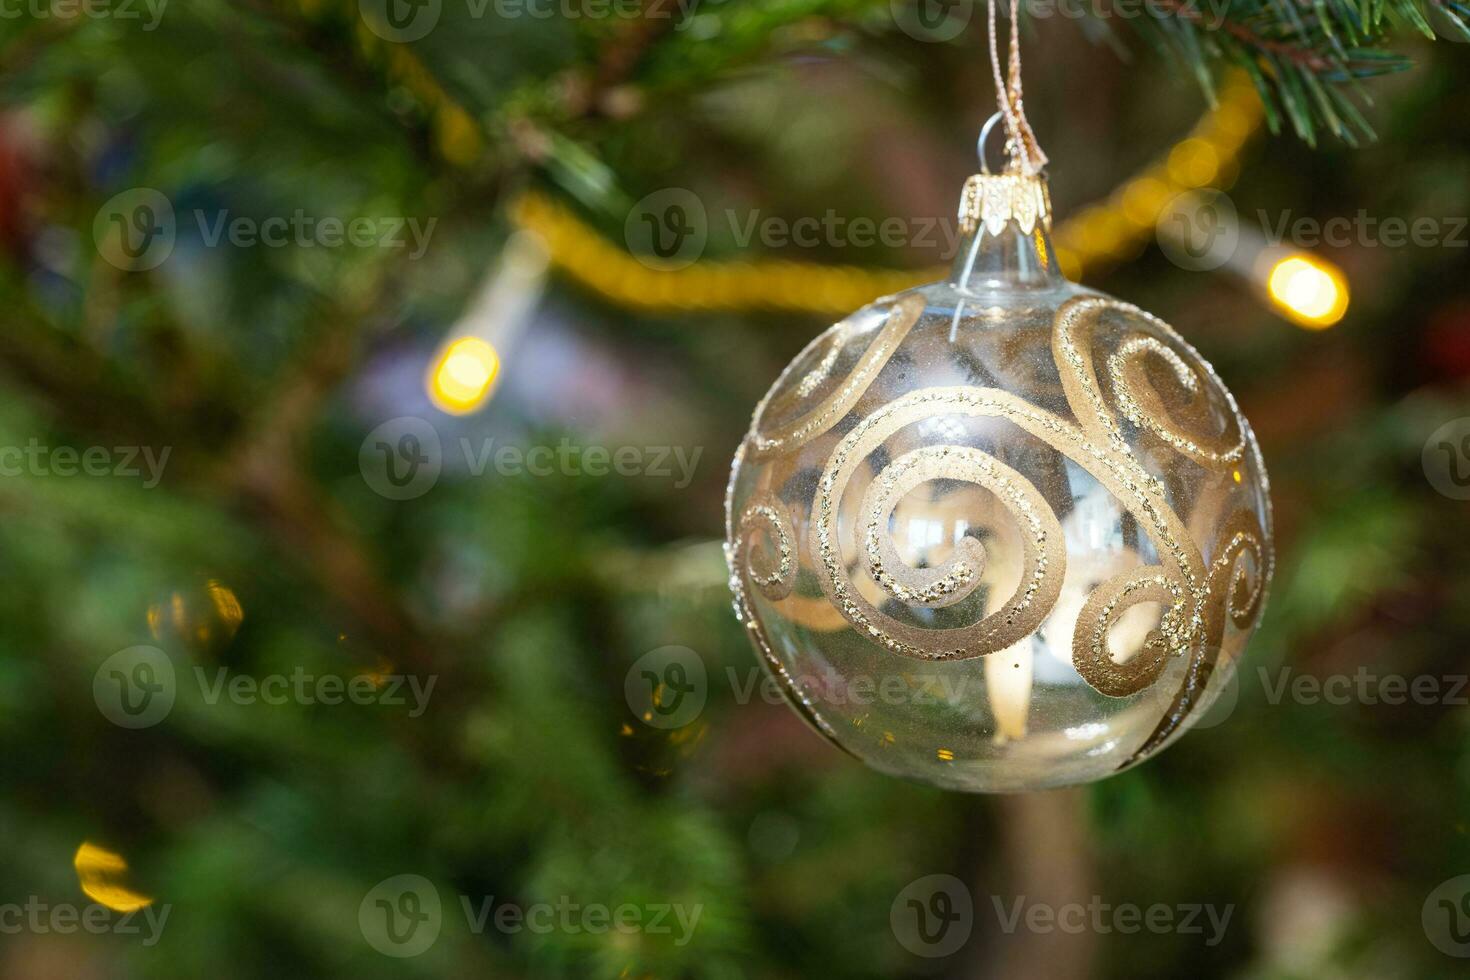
1310 291
462 376
1202 230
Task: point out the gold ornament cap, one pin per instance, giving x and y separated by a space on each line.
1005 223
992 200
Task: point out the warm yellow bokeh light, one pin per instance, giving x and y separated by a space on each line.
1143 199
1313 293
464 373
1193 163
96 869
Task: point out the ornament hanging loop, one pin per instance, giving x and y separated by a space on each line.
992 198
980 143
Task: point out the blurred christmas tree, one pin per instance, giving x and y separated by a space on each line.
245 241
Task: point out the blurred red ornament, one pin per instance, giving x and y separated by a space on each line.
1447 342
15 176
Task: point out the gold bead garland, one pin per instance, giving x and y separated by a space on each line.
1094 238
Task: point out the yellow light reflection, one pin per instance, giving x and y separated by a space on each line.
226 603
462 377
96 869
380 674
1311 292
196 615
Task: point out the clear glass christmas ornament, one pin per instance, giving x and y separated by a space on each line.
1002 532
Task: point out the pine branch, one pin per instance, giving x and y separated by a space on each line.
1306 57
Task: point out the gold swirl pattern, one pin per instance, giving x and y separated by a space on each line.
1044 555
1197 598
1043 559
1142 406
809 383
934 588
775 584
1240 535
739 570
1202 633
826 413
1119 473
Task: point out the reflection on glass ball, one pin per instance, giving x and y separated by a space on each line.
999 533
201 615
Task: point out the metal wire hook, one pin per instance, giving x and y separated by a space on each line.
984 138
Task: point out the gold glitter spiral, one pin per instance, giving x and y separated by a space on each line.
826 413
1141 404
799 700
776 583
1138 400
1180 582
1043 551
1241 535
1197 598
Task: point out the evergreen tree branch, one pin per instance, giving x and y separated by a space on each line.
1305 58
